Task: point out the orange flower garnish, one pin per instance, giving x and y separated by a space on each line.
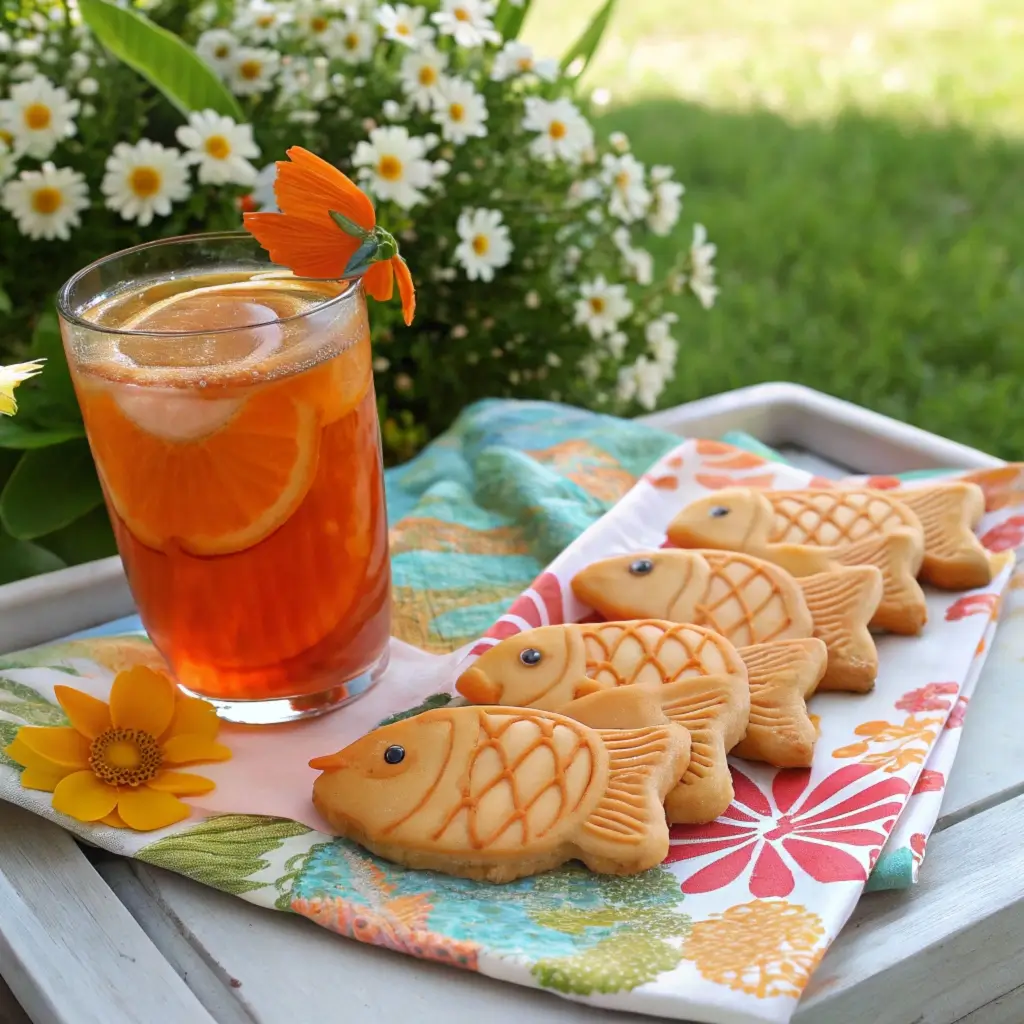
327 229
117 763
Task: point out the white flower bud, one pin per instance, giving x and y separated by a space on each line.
88 87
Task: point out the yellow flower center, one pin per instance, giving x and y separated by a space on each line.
6 137
390 168
222 51
557 130
597 305
461 14
47 200
250 69
351 41
456 111
481 243
218 147
144 182
403 29
265 21
428 75
38 116
318 24
125 757
622 180
524 63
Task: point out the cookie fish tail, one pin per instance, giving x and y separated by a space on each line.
782 675
953 556
842 604
898 555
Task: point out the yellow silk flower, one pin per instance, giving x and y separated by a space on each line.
116 762
10 378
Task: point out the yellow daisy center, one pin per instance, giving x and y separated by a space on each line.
6 137
456 111
265 21
557 130
461 14
481 243
145 181
428 75
218 147
597 305
38 116
390 168
622 180
318 24
47 200
351 41
524 63
125 757
250 69
403 29
222 51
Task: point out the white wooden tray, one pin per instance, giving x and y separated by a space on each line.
103 940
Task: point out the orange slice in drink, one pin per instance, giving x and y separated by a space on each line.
222 486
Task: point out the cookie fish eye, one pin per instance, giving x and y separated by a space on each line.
718 511
641 567
530 657
394 754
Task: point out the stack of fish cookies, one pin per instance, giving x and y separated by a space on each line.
587 740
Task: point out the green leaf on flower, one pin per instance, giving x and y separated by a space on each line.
224 851
361 258
160 57
349 226
586 46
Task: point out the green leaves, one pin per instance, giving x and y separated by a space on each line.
160 57
509 19
586 46
20 559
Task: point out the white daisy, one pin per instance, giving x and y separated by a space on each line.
314 21
660 343
589 367
394 166
23 71
484 243
143 180
601 306
262 193
616 343
702 272
8 161
666 202
562 131
220 147
46 203
253 71
469 21
261 21
638 263
404 24
624 175
517 59
352 40
5 42
625 386
647 382
422 74
461 111
38 116
218 47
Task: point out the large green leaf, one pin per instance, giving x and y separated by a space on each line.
159 56
86 539
21 434
510 17
49 488
586 46
20 559
56 377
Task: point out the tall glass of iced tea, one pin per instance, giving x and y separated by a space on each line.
231 413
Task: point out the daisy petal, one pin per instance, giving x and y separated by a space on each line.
142 699
85 797
45 779
180 783
406 289
88 715
192 715
145 809
59 745
193 749
379 281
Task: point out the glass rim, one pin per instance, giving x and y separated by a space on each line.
64 311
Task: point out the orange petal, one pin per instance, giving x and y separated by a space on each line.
379 281
60 745
307 248
406 289
18 750
180 783
88 715
145 809
308 187
192 749
114 820
45 779
143 699
85 797
192 715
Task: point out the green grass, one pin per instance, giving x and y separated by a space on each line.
861 168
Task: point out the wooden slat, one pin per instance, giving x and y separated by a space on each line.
70 951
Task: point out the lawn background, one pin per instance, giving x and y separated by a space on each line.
861 168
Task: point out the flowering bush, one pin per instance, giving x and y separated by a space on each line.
526 233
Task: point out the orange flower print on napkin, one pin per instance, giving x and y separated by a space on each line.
327 229
117 763
893 746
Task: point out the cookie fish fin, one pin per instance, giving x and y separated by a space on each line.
626 832
799 559
715 711
898 555
953 556
621 707
842 604
782 675
586 686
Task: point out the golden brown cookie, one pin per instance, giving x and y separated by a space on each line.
499 793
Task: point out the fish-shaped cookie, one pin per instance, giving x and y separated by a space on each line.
816 531
747 600
701 678
499 793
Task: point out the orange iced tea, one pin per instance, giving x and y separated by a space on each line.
232 419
